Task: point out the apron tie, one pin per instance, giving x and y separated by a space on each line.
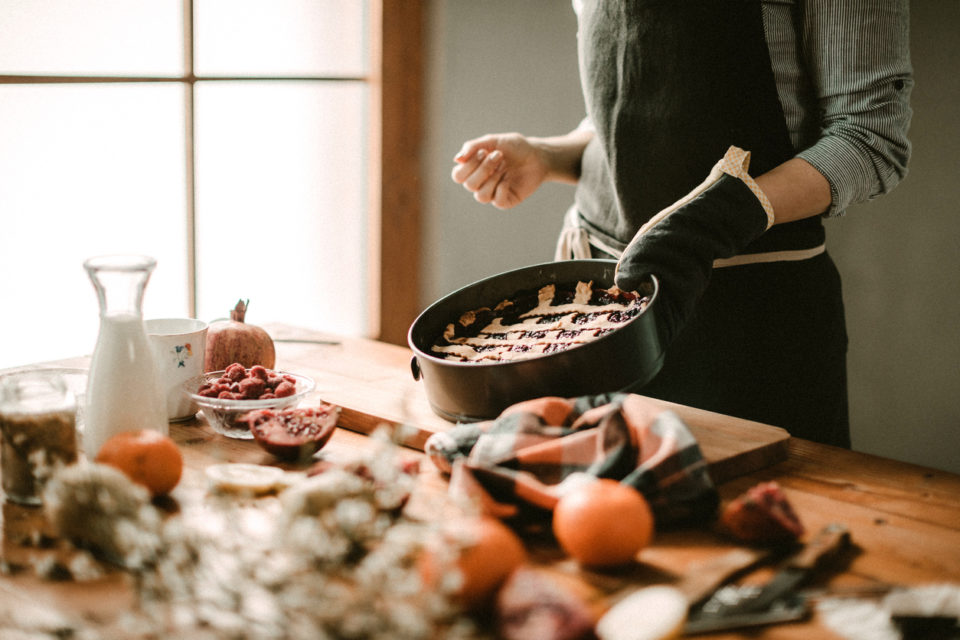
576 242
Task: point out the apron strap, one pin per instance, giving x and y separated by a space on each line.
789 255
577 242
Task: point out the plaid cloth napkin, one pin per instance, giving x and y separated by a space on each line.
521 463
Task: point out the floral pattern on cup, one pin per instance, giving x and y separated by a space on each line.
182 353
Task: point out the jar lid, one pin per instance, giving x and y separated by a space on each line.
34 392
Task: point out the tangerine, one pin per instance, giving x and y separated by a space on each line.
489 551
603 523
147 457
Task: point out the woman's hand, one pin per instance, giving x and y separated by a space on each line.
500 169
504 169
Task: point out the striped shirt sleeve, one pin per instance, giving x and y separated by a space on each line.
844 78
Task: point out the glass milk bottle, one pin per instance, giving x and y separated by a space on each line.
122 389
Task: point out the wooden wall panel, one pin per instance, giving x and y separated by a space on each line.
397 90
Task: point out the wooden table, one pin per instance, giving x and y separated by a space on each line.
904 519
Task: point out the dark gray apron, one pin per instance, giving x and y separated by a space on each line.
669 86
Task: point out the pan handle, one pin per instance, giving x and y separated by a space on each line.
415 368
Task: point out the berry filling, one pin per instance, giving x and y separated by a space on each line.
531 323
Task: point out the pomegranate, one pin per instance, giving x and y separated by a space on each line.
762 515
293 434
233 340
550 605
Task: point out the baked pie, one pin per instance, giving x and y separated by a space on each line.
538 322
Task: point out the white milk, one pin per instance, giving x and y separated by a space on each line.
122 390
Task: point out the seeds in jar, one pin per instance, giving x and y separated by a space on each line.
35 445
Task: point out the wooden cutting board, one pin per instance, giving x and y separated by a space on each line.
374 384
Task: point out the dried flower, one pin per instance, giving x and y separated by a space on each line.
337 558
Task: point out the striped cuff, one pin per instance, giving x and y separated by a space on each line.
841 163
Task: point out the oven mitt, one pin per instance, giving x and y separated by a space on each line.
679 245
518 465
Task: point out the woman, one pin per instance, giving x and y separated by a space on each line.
792 111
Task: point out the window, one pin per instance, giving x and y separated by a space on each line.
247 145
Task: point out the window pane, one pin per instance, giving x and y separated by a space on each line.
280 37
92 37
86 169
281 202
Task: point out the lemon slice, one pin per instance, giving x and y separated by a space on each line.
652 613
245 478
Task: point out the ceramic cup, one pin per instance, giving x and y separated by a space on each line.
178 347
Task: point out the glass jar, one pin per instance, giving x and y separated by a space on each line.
38 432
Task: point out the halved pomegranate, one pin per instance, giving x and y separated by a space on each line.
293 434
762 515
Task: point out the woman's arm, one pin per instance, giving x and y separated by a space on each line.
504 169
849 62
856 55
796 190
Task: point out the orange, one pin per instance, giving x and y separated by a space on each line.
489 551
603 523
147 457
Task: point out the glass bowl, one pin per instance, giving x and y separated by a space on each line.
223 413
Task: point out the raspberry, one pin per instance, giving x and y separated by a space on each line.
252 388
258 371
285 388
235 372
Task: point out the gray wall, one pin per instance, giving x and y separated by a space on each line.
502 65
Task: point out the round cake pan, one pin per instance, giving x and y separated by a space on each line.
622 360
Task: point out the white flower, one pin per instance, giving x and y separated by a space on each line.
333 558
